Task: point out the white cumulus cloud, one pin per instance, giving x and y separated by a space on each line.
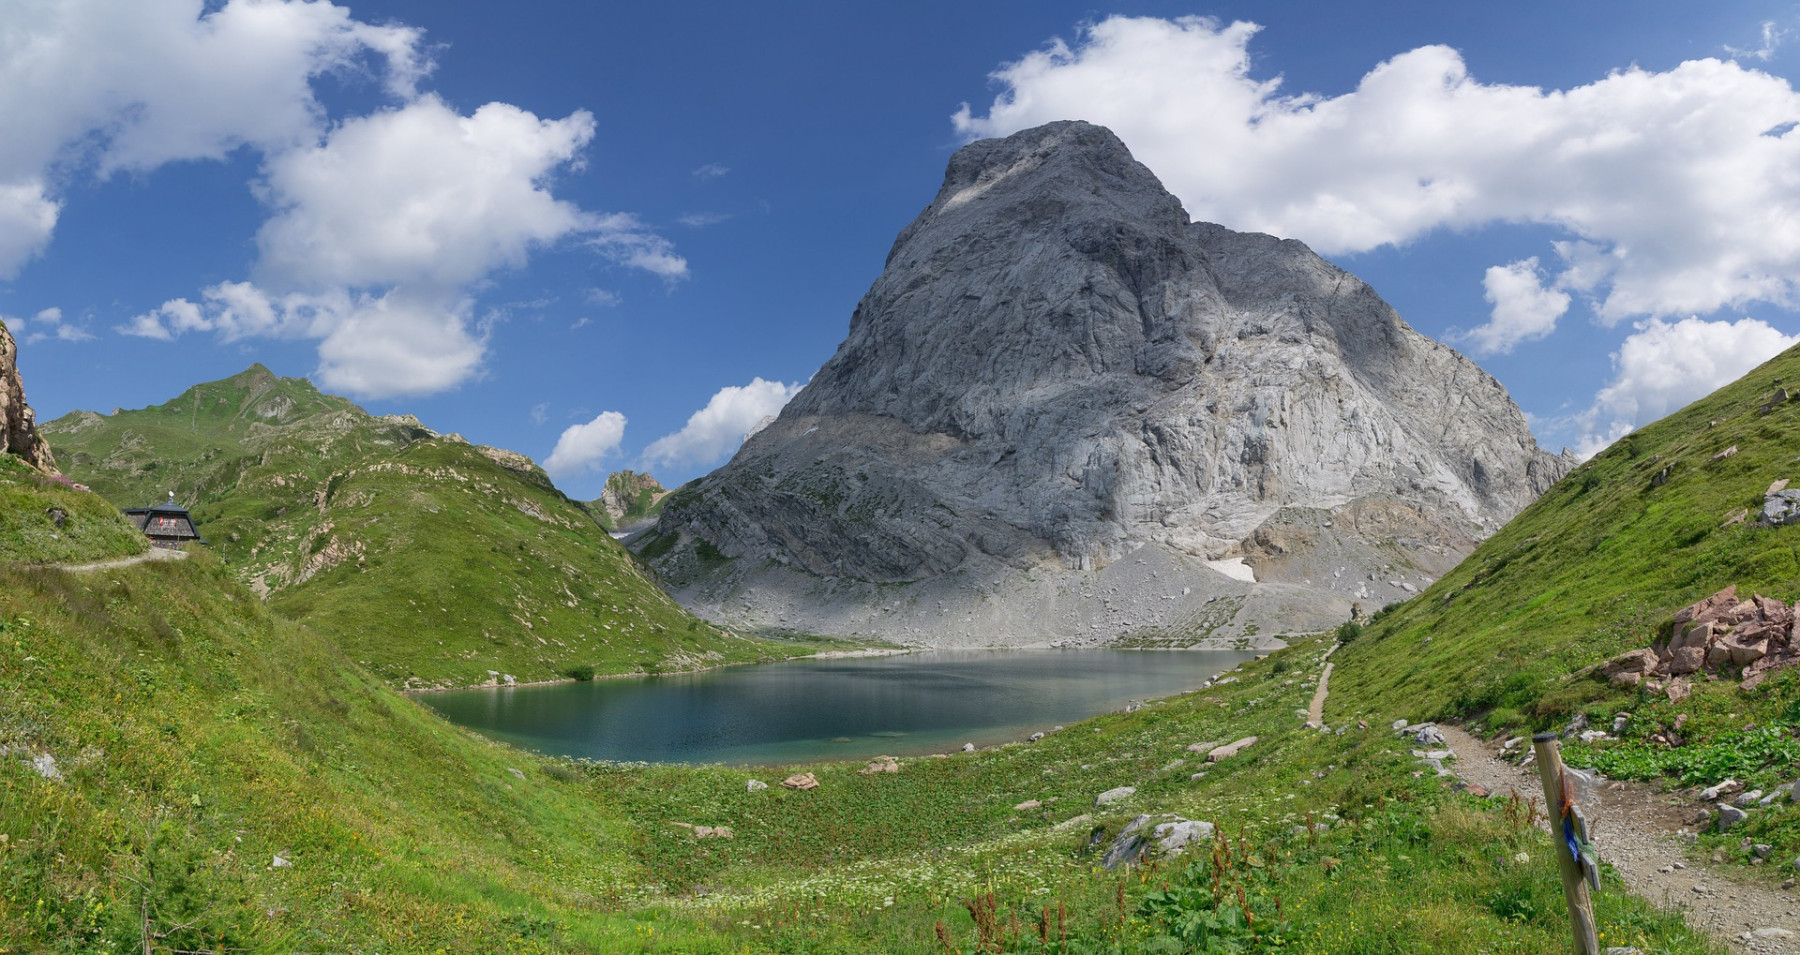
1420 144
382 227
102 85
46 324
1524 310
715 431
583 446
420 195
380 230
1663 366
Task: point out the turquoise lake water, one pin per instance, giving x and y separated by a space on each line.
808 710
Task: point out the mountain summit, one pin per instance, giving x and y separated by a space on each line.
1061 383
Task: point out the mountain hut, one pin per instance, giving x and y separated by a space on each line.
166 524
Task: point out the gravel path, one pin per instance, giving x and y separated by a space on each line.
1315 714
154 553
1639 832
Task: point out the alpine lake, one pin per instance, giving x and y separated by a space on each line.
910 704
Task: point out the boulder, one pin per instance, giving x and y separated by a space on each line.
1730 816
801 781
1709 608
1230 749
1027 805
880 764
1726 788
1686 660
1632 663
1115 795
1159 836
754 785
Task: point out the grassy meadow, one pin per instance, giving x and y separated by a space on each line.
197 737
197 733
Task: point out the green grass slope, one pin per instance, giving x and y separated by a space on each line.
429 560
193 738
1599 564
44 519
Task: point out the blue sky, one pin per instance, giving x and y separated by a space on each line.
615 235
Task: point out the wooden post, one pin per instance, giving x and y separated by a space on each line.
1575 890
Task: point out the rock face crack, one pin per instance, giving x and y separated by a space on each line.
1058 368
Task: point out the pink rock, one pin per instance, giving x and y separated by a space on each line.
1698 635
1704 609
801 781
1687 660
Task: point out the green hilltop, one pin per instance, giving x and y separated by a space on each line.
429 560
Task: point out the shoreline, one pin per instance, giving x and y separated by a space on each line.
840 655
821 655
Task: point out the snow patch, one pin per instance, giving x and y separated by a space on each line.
1235 568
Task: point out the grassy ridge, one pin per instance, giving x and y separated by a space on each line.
430 561
1598 565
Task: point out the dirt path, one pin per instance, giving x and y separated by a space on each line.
154 553
1315 714
1638 831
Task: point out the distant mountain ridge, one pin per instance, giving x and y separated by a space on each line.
428 559
1061 387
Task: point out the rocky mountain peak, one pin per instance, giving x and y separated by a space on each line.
18 424
1058 369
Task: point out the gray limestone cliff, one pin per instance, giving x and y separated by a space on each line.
18 426
1059 378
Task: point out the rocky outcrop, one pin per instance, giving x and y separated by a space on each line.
630 500
1058 373
18 426
1721 634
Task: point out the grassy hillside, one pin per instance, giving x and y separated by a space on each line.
429 560
1597 567
165 736
1599 564
196 739
45 519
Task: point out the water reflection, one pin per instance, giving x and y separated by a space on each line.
805 710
